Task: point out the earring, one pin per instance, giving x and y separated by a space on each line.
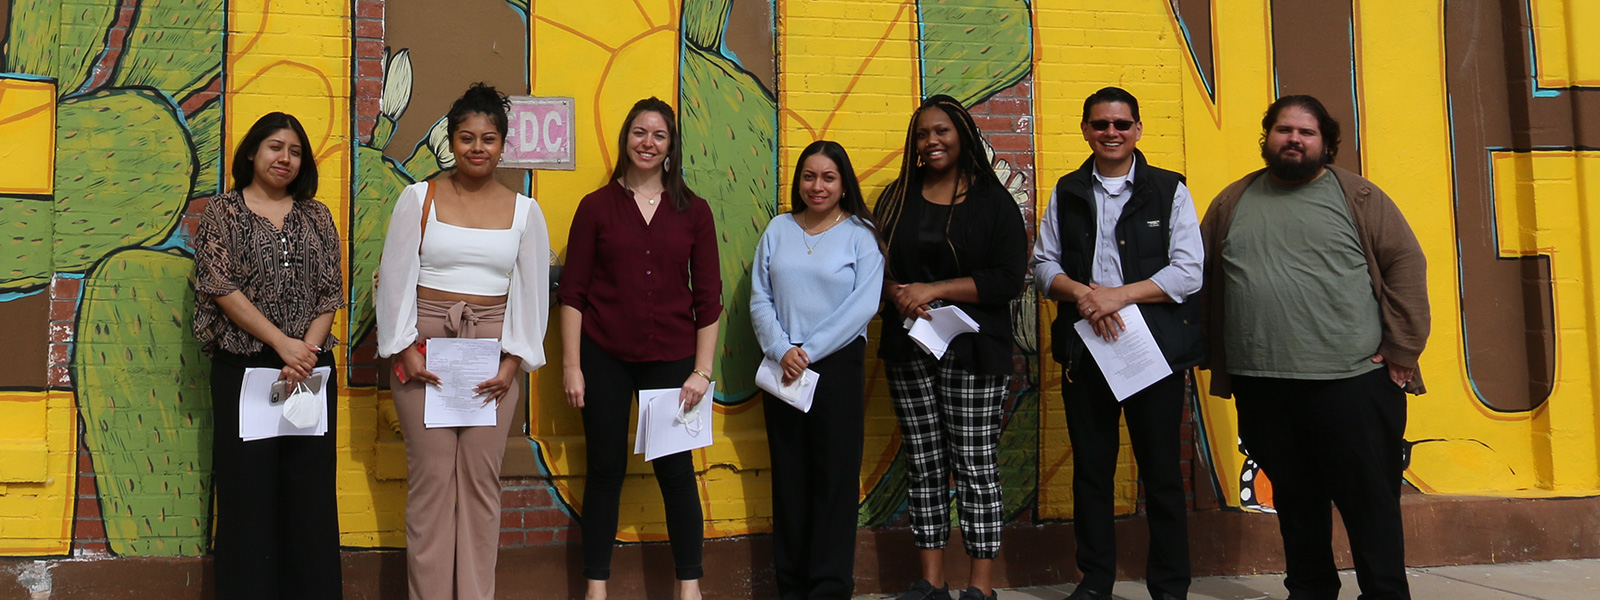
666 165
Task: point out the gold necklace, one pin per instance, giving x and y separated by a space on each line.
638 196
812 246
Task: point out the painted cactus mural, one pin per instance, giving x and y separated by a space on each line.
138 135
149 432
729 124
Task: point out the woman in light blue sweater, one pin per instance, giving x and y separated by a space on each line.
818 274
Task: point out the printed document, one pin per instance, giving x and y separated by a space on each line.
665 428
461 364
942 325
261 416
798 393
1131 363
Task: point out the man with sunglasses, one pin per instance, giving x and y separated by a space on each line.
1317 309
1118 233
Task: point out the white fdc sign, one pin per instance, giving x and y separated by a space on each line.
540 134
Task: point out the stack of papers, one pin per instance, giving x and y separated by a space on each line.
942 325
799 393
1131 363
261 418
665 429
461 364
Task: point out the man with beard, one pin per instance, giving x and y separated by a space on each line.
1121 232
1317 309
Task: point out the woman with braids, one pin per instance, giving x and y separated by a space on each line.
816 282
465 257
641 295
955 238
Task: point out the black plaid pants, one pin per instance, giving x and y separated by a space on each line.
950 424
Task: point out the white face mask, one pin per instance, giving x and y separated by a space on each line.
304 408
690 418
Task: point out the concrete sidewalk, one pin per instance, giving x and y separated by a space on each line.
1552 580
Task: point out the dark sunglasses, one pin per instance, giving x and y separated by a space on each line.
1102 124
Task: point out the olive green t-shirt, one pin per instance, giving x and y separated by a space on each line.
1299 301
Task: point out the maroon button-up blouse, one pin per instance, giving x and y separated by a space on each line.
643 289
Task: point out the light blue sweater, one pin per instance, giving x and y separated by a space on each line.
820 301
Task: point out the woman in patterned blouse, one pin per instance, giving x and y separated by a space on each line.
267 282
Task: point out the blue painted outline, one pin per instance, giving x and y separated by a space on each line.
1188 43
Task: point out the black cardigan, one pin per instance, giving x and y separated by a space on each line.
992 245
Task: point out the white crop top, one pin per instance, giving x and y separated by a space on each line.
466 260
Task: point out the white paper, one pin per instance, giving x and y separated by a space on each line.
260 418
662 432
461 364
942 325
1131 363
799 393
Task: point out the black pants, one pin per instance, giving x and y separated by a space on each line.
816 479
1154 415
610 387
277 532
1339 442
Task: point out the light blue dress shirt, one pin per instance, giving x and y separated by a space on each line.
817 292
1185 252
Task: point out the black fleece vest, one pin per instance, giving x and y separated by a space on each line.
1143 232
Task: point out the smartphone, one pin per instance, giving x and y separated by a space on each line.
281 390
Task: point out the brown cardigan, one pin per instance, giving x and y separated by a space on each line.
1394 260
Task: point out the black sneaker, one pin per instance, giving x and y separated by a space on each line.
923 590
972 593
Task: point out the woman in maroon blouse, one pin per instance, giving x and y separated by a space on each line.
642 294
267 282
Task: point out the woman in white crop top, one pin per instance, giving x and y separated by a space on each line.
465 257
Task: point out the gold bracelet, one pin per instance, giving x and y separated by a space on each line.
702 374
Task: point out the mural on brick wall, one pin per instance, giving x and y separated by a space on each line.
115 116
113 120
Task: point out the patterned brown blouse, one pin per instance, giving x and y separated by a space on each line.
291 275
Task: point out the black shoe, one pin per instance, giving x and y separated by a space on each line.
1083 593
1166 596
973 593
923 590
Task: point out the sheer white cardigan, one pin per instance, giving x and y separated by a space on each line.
527 302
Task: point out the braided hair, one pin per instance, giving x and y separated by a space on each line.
972 168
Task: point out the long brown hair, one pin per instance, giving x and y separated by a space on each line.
673 186
972 167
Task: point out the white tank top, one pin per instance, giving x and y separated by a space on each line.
467 260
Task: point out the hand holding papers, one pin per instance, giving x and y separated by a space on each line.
461 364
942 325
261 417
1133 361
799 393
665 428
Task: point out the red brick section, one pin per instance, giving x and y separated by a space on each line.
88 529
530 516
368 80
63 309
116 42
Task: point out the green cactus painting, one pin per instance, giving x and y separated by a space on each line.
729 125
144 393
175 46
974 48
58 39
123 174
24 243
